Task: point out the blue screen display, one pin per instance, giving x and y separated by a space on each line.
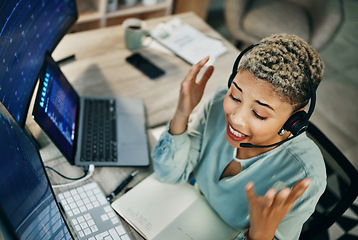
27 201
28 28
56 107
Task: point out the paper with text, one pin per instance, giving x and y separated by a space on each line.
187 42
160 211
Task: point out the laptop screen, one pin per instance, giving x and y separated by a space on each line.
56 108
28 209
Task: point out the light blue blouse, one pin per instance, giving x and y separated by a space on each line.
202 151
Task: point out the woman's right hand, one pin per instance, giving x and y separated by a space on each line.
191 93
266 212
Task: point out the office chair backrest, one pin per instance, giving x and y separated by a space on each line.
341 191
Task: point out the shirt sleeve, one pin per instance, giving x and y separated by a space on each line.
175 156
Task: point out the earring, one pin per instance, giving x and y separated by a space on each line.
281 132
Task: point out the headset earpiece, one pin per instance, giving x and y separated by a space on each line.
297 123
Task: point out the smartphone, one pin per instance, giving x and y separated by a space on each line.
145 66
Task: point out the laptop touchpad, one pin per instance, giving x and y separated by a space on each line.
131 129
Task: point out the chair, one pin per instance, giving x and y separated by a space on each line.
315 21
341 191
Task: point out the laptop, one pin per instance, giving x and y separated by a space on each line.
28 206
90 130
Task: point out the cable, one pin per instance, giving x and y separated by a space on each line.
89 174
69 178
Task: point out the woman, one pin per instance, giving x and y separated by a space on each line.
275 79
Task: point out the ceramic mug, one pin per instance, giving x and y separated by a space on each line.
134 32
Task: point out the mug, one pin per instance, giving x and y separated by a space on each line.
134 32
149 2
112 5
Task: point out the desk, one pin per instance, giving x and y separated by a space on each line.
100 69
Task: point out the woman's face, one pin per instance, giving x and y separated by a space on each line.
254 113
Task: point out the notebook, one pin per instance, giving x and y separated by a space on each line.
114 133
162 211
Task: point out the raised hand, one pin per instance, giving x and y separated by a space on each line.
191 93
266 212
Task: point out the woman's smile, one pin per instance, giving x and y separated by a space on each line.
234 134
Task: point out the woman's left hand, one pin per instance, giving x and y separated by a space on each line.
266 212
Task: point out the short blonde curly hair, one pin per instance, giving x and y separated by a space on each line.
282 60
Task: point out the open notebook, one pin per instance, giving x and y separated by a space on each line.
161 211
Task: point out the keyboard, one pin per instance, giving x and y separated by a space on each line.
90 214
100 143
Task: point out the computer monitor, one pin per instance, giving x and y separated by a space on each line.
28 208
28 29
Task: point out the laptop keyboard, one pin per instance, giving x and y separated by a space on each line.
90 214
100 143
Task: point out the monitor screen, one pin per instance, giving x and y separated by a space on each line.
56 107
28 28
27 201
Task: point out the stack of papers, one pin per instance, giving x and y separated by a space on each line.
187 42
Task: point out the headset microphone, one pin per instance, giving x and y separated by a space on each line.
297 123
249 145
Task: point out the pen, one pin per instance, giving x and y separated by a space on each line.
122 185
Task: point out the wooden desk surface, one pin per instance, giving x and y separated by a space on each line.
100 68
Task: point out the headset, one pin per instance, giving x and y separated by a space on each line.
297 122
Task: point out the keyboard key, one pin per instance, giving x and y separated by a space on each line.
90 222
104 217
101 236
107 209
87 231
84 225
78 227
114 220
81 234
125 237
76 211
80 219
60 196
94 228
114 234
83 208
120 230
